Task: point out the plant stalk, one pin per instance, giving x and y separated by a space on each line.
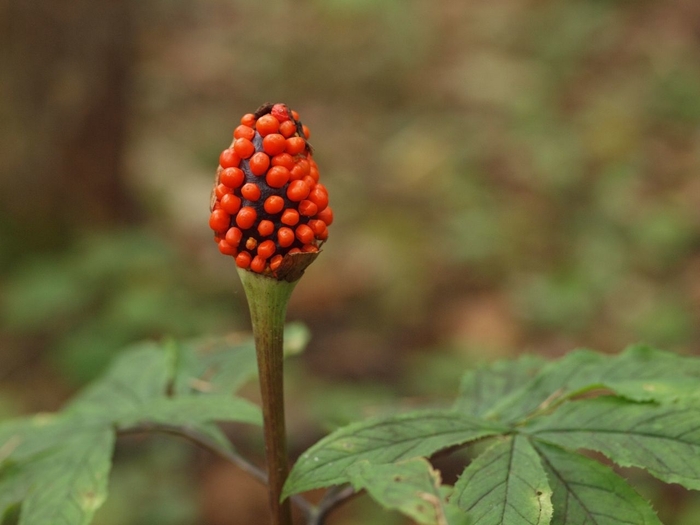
267 300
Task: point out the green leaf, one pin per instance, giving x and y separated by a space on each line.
27 437
383 440
225 364
10 516
39 455
661 438
189 410
136 376
506 485
57 464
588 493
135 390
214 366
554 381
412 487
455 515
485 387
70 484
14 485
640 373
162 384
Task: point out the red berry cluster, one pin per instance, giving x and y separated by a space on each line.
267 201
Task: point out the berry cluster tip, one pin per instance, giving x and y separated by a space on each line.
267 202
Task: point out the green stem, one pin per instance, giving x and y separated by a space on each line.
267 300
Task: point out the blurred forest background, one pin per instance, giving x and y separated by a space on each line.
507 176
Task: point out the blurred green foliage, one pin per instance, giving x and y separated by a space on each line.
505 176
105 292
147 487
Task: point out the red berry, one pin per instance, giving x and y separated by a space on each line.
309 182
298 190
320 229
313 172
248 120
283 159
290 217
276 262
230 203
307 132
246 217
267 124
266 228
259 163
244 132
305 234
316 225
219 220
229 158
274 144
306 208
277 177
295 115
250 191
280 112
326 216
226 248
221 190
234 236
287 129
243 147
285 236
295 145
303 166
319 197
274 204
266 249
257 264
232 177
243 260
295 174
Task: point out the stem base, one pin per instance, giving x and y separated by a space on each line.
267 300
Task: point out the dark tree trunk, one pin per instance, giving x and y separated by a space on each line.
64 108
